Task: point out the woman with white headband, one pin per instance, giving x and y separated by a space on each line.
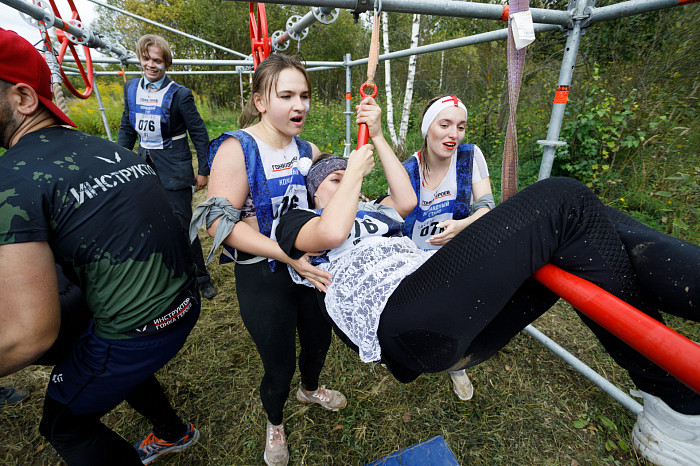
451 180
429 311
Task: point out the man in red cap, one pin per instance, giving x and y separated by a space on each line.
77 200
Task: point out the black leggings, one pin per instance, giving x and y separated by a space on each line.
470 298
273 309
181 202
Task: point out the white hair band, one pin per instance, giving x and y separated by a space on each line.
437 107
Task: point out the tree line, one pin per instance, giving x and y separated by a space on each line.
633 100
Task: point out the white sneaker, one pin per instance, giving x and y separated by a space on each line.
329 399
276 452
666 437
461 385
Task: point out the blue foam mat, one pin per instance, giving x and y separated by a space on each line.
433 452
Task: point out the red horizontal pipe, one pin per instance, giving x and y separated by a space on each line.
666 348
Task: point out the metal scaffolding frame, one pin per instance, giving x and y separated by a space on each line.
168 28
90 38
579 15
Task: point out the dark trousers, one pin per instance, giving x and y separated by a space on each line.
80 438
273 309
181 201
470 298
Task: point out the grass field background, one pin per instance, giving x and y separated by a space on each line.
529 407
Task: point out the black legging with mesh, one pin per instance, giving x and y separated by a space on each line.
469 299
273 308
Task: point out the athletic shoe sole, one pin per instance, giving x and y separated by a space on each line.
175 448
659 448
468 387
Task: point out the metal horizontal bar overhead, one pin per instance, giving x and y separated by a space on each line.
188 73
196 62
433 7
491 36
167 28
486 10
91 39
295 30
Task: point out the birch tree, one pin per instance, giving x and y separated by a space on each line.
399 141
387 82
442 68
403 128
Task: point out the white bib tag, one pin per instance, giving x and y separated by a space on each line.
148 117
148 127
435 206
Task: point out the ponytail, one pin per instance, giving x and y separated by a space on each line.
249 115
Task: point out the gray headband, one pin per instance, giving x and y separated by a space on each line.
320 170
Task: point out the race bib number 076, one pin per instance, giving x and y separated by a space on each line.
148 127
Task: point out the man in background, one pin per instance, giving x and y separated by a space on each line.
160 113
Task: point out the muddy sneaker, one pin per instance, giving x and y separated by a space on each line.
10 396
461 385
208 290
664 436
152 447
329 399
276 452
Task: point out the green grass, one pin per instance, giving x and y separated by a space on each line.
529 407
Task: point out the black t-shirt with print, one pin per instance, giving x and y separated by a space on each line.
106 218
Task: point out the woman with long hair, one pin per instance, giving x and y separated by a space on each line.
259 170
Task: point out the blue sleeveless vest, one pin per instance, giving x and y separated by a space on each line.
257 181
465 159
163 109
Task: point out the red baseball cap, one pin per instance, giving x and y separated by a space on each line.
20 62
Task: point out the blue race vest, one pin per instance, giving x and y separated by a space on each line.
263 190
465 159
157 114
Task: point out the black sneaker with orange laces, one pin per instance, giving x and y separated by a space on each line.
152 447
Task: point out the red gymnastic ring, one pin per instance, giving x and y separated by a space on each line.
88 77
362 130
374 90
